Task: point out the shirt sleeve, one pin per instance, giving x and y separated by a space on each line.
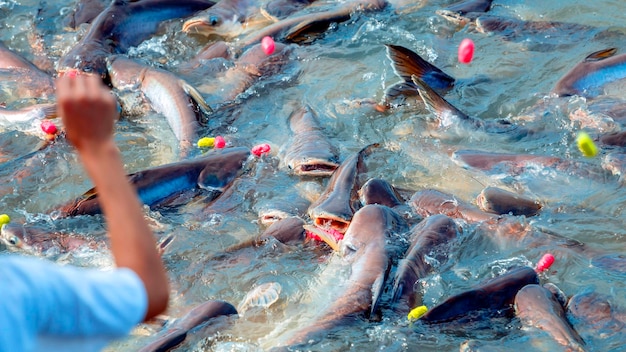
42 298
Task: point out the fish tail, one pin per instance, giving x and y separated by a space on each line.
435 103
49 111
407 63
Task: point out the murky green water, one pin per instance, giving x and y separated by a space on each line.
507 78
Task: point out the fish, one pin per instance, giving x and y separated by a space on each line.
22 77
537 307
302 28
449 116
209 317
29 114
430 202
41 240
368 247
309 151
336 206
499 201
83 12
181 104
379 191
252 65
496 296
462 12
617 139
123 24
587 78
595 315
288 231
407 63
214 57
426 238
157 186
227 19
545 32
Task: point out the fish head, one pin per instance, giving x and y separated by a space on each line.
214 22
88 57
19 237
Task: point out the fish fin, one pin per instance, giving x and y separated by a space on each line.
49 111
601 55
378 288
196 98
90 194
407 63
400 89
305 31
435 103
164 243
267 15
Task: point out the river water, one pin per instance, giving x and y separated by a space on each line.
508 78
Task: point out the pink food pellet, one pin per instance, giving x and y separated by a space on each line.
268 45
260 149
48 127
545 262
466 51
219 142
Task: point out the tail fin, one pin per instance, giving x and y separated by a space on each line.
436 104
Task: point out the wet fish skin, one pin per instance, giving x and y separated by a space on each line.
429 234
29 113
32 81
213 172
202 314
595 314
288 231
38 240
336 206
309 152
498 201
536 306
430 202
497 294
179 102
379 191
225 19
121 25
366 246
588 77
84 12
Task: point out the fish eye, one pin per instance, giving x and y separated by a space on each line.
214 20
14 240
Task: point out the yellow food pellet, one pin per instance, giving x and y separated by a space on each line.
4 219
417 312
206 142
586 145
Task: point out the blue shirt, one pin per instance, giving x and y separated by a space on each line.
48 307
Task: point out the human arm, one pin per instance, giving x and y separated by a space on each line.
89 113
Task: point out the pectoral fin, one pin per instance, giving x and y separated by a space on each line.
601 55
197 99
378 288
435 103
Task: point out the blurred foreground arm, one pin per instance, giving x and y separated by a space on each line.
89 112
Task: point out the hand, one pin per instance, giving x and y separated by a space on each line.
88 109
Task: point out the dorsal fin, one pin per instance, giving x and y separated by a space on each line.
601 55
407 63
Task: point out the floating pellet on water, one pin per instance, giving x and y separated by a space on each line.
261 296
4 219
206 142
220 142
260 149
417 313
48 127
268 45
545 262
586 145
466 51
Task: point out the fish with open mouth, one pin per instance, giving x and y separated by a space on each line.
335 208
368 247
162 184
429 202
309 152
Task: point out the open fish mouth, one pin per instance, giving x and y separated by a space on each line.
336 224
315 169
12 236
328 235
